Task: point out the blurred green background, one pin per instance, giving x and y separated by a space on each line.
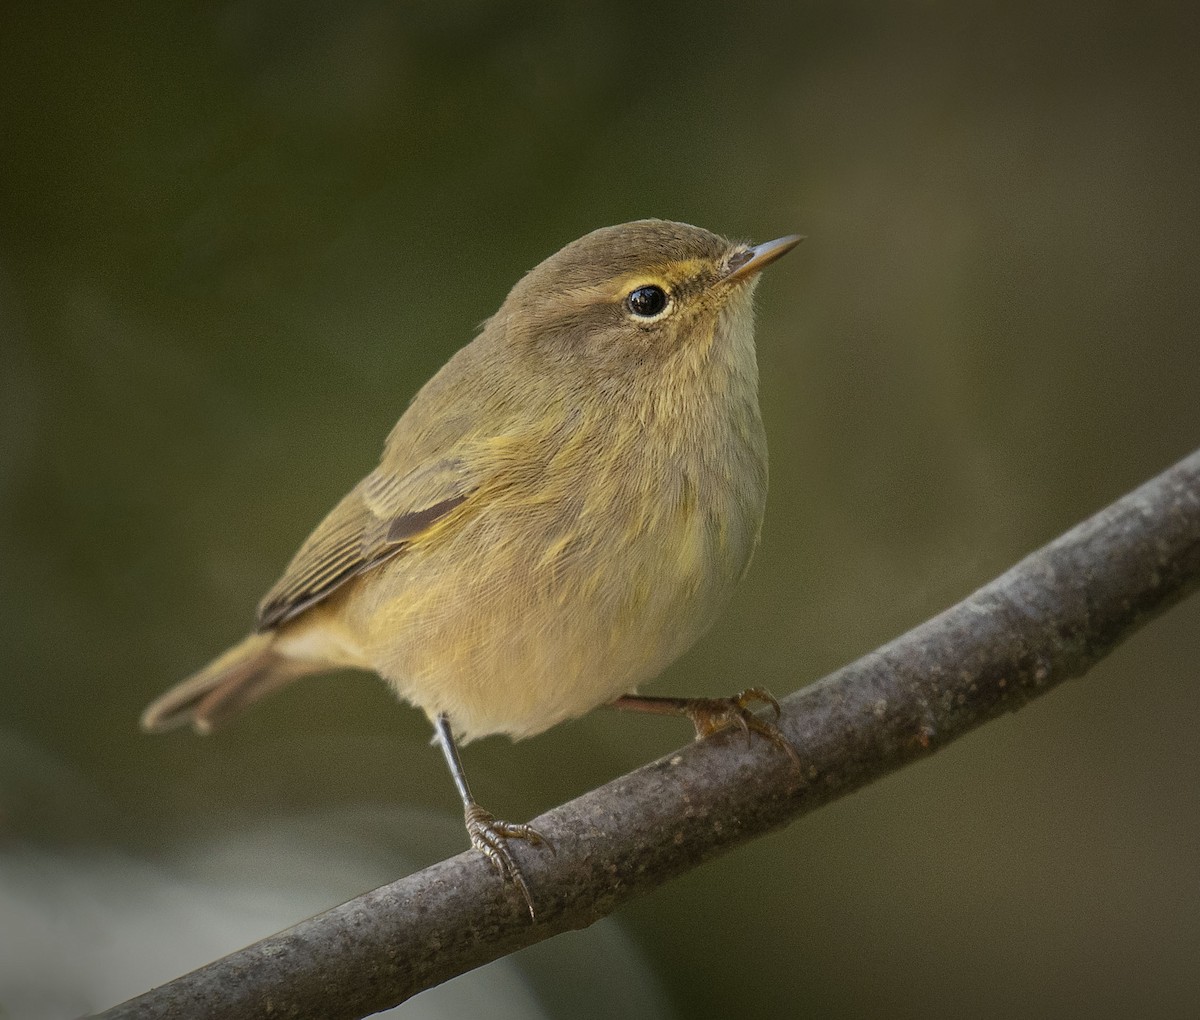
235 238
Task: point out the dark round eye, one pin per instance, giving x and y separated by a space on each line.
647 302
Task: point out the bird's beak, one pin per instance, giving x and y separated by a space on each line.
749 261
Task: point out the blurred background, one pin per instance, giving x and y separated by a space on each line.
235 237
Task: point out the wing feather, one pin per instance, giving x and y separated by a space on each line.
376 520
431 466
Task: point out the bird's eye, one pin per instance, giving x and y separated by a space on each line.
647 302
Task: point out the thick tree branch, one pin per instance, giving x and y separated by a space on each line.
1046 620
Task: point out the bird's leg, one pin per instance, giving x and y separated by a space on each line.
488 834
711 715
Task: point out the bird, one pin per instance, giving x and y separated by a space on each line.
561 511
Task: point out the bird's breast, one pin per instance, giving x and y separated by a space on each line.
576 582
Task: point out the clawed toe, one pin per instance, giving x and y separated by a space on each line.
711 715
490 836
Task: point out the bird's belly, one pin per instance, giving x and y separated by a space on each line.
542 630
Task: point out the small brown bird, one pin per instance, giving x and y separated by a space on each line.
560 513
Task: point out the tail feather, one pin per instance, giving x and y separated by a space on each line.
230 683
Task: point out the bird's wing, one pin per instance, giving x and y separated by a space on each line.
377 519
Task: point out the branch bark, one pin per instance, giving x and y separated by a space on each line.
1048 619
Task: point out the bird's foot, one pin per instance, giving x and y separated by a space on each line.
711 715
490 837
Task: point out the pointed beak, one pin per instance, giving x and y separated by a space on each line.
749 261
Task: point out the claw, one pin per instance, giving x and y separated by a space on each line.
490 837
711 715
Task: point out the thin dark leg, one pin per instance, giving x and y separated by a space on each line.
488 834
445 739
654 704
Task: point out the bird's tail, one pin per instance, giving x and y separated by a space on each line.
228 684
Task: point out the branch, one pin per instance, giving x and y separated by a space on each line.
1049 618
